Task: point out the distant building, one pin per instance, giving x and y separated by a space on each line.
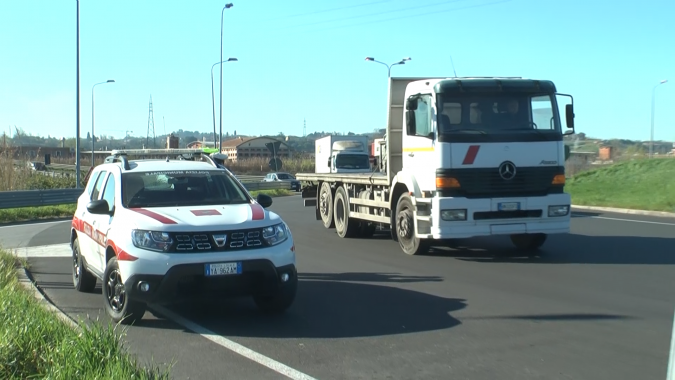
252 147
35 152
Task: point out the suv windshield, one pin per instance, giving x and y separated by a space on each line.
180 188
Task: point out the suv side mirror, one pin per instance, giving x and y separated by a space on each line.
99 207
264 200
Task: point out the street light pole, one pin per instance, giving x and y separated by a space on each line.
93 140
401 62
213 102
651 139
222 15
77 98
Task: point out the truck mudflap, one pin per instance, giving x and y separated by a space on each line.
309 196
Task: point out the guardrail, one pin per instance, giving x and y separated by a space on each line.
34 198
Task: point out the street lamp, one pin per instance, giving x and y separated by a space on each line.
401 62
213 101
651 140
93 139
222 14
77 97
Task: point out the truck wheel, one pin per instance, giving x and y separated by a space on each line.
115 301
83 280
528 242
345 227
405 228
325 205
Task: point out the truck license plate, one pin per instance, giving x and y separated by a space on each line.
221 269
508 206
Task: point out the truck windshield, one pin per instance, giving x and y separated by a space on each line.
352 161
497 117
180 188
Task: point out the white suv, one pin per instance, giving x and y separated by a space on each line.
161 231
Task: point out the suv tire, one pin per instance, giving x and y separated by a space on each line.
120 308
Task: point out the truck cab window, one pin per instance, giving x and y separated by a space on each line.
423 117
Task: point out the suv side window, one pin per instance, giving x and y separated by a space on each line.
99 185
109 192
92 181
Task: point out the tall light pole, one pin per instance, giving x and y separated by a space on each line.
651 140
222 14
93 139
213 101
77 98
401 62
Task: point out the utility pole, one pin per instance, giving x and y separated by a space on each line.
151 124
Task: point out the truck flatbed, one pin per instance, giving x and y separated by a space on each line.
372 178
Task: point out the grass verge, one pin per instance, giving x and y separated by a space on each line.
273 192
35 343
647 184
34 213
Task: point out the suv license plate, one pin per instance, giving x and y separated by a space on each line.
222 269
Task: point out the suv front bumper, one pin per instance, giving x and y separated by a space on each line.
188 282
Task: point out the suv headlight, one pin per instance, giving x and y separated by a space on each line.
276 234
151 240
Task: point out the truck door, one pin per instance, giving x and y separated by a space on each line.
418 148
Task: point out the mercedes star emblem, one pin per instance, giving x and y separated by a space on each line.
507 170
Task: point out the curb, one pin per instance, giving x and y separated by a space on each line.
27 282
662 214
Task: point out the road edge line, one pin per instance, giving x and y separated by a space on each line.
663 214
235 347
671 357
27 282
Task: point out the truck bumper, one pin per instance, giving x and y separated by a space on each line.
498 216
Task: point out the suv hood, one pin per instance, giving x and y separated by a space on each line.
219 217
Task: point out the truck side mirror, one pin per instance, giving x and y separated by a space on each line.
329 162
569 116
410 126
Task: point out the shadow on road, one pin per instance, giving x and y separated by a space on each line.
555 317
368 277
567 249
332 309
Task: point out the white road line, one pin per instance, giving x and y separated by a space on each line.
671 358
628 220
235 347
37 223
54 250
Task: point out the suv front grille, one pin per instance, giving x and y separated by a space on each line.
217 241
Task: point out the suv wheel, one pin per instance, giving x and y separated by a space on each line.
279 302
117 305
83 280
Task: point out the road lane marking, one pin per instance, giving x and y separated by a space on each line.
625 220
233 346
671 358
54 250
37 224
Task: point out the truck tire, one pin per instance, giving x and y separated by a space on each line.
345 227
405 228
528 242
324 204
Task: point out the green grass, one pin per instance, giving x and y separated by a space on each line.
33 213
273 192
35 343
647 184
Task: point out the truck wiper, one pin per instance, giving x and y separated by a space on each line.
482 132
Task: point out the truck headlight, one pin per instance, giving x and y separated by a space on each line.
151 240
276 234
561 210
453 215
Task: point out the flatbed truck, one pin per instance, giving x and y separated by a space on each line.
462 157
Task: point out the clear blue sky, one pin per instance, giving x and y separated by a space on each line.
305 59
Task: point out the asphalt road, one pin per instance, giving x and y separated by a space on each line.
597 304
